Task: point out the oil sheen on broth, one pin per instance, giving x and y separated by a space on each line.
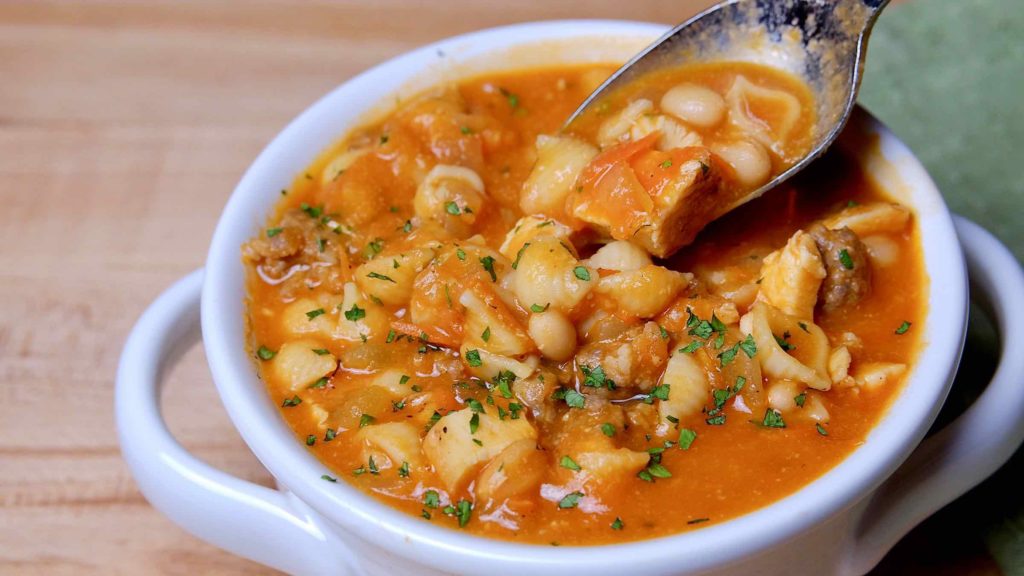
562 338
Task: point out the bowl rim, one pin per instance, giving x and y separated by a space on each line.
295 468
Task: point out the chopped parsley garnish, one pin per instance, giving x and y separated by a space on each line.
474 423
355 313
391 337
434 419
384 138
666 164
265 353
537 308
473 358
803 327
504 382
773 419
374 247
608 429
488 263
664 333
748 346
466 130
312 211
691 347
460 254
321 351
513 100
800 398
403 470
271 232
475 405
373 466
617 524
658 471
570 500
377 276
328 478
320 383
519 255
573 398
293 401
596 378
582 273
397 406
365 420
715 420
431 499
329 435
686 438
821 429
403 380
784 342
310 440
845 259
660 392
314 313
486 335
567 462
452 208
904 327
463 511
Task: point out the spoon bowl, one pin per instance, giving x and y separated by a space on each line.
822 42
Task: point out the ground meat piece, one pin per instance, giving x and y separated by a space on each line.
848 272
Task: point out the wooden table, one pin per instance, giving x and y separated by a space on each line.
123 129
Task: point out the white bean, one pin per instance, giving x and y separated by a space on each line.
749 159
696 105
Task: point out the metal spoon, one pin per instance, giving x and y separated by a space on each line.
823 42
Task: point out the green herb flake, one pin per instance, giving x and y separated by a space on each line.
265 353
686 438
748 346
391 337
321 351
377 276
691 347
488 263
330 435
314 313
658 471
582 273
519 255
537 308
570 500
617 524
320 383
473 358
365 420
666 164
904 327
355 313
567 462
310 440
460 254
845 259
474 423
431 499
290 402
271 232
328 478
608 429
574 399
486 335
452 208
403 470
463 511
800 398
466 130
773 419
821 429
661 391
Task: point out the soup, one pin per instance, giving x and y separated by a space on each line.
581 337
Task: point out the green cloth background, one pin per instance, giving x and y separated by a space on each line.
948 77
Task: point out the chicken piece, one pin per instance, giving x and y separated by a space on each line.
848 271
791 276
659 200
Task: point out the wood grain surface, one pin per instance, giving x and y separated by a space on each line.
123 129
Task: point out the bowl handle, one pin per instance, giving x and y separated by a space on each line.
961 455
244 518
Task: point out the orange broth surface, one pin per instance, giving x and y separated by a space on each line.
728 470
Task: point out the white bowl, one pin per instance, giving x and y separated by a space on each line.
841 523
